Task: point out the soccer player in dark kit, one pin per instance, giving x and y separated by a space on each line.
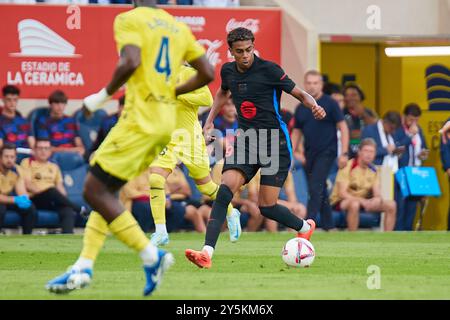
262 140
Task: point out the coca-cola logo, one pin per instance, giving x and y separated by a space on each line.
251 24
212 48
196 23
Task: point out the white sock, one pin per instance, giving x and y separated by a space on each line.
161 228
209 250
84 263
305 228
149 255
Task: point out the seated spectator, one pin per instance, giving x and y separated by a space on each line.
290 201
12 182
61 130
445 159
43 180
13 127
356 115
382 132
179 190
357 188
107 124
409 135
241 201
135 196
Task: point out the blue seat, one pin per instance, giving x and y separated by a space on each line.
73 182
301 185
366 220
68 160
35 115
45 219
89 127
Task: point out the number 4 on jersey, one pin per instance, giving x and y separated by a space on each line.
160 65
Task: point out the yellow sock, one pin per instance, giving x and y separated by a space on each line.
94 236
127 230
158 198
210 189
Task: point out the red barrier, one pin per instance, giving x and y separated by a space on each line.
72 47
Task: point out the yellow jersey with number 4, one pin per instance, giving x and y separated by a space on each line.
165 44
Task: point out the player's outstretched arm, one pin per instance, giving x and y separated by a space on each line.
204 75
130 60
309 101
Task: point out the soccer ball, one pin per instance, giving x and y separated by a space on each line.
298 252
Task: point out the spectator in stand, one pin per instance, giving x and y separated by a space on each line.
244 202
357 188
61 130
382 132
12 182
135 196
289 200
13 127
320 145
409 135
107 124
43 180
356 115
335 91
288 118
445 159
226 123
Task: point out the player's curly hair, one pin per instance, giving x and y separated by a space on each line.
239 34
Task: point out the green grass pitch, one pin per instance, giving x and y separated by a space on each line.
412 266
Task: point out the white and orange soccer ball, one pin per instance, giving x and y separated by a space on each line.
298 252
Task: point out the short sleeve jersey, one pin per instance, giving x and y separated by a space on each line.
256 93
320 135
61 132
15 130
165 44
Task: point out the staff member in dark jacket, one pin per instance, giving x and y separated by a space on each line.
320 146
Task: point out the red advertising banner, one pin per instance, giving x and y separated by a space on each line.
72 47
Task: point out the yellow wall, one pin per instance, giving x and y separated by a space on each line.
359 59
389 83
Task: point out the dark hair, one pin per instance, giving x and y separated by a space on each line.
329 88
393 117
10 89
122 100
7 146
412 109
57 96
361 94
239 34
42 140
367 142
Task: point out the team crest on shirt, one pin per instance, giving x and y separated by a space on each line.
242 88
248 109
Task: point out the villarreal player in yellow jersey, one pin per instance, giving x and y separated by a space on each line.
152 46
187 146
